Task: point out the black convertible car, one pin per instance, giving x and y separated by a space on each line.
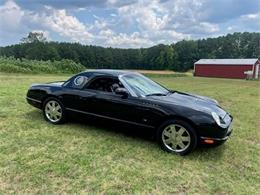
181 120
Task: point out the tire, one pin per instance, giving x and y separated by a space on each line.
177 136
54 111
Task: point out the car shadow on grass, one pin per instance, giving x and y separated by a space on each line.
143 134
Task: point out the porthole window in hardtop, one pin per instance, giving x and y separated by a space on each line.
78 81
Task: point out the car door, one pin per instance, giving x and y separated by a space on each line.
133 110
73 97
96 98
114 106
107 104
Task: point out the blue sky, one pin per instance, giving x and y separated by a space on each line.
128 23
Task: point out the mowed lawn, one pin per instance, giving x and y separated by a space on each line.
37 157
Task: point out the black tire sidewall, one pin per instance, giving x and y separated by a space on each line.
189 128
63 115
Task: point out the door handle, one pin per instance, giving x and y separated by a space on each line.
86 97
143 109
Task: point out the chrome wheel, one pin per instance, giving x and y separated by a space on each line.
176 138
53 111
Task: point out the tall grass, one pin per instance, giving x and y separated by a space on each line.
96 157
10 64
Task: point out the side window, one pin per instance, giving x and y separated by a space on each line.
104 84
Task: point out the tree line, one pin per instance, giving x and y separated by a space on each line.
179 56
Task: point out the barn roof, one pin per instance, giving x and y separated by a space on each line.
228 61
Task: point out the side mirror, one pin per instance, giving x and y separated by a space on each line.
122 91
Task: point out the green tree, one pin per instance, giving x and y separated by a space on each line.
33 37
179 56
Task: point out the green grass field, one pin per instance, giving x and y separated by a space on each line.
37 157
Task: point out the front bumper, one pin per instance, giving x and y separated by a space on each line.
34 102
217 141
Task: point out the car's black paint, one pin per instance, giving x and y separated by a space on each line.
150 111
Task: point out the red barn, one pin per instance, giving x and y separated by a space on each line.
227 68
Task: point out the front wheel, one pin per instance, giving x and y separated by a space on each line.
177 136
54 111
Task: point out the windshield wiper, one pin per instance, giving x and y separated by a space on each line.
171 91
156 94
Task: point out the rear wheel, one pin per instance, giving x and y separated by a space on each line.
54 111
177 136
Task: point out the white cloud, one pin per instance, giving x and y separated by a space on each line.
230 28
13 19
128 23
132 40
106 33
10 16
149 15
251 17
206 27
63 24
248 22
110 38
50 20
154 20
100 24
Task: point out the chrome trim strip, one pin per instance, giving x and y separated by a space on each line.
216 139
32 99
230 128
111 118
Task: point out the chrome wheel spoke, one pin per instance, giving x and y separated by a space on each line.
58 114
167 133
173 130
181 144
57 107
168 141
174 145
55 117
181 131
185 138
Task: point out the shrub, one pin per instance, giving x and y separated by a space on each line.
12 65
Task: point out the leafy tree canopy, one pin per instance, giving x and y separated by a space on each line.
179 56
33 37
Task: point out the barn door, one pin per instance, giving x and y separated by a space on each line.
257 71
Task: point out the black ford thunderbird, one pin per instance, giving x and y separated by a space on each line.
181 120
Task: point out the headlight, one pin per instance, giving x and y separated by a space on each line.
216 118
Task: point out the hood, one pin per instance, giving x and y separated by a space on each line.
196 102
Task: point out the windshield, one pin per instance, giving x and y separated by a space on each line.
143 86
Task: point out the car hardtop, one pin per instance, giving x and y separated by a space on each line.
108 72
93 74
